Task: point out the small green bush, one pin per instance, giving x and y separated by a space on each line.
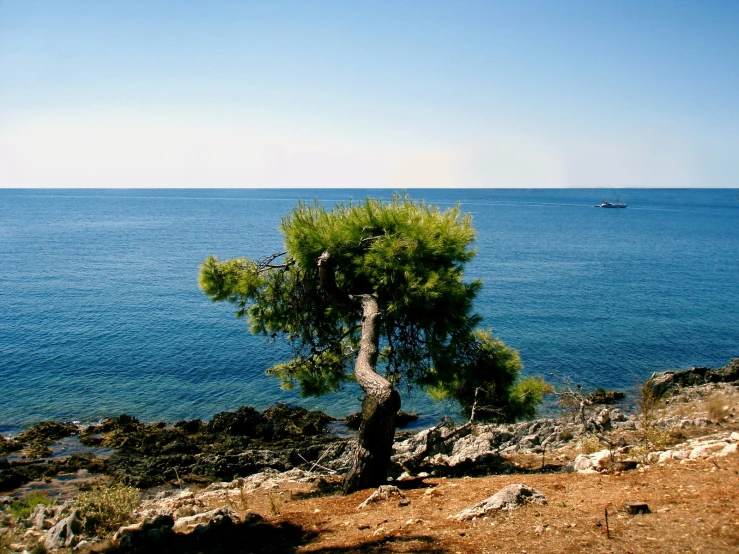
107 507
591 444
23 508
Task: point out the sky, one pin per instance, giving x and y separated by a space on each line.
313 93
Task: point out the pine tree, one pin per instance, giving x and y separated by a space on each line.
366 285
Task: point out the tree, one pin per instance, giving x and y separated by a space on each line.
489 388
373 283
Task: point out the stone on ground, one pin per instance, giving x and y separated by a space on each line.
508 498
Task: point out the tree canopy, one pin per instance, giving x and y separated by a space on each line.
374 285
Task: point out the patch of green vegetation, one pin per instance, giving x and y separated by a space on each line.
23 508
107 507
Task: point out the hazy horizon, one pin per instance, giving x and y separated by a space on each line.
361 95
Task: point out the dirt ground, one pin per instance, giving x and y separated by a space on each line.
693 509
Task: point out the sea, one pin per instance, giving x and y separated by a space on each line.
100 311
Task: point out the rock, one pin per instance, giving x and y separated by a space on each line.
40 436
603 418
43 517
64 533
587 463
626 465
9 445
602 396
507 498
668 383
703 451
282 421
83 546
383 493
583 463
200 523
139 536
637 508
617 415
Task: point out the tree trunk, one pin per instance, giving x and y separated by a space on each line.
380 405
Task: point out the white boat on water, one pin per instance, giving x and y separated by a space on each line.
607 204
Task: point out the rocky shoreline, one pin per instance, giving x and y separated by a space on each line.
247 450
245 442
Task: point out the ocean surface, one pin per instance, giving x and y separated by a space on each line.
100 312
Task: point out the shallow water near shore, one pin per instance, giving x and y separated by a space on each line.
100 313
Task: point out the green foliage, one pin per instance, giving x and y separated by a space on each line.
107 507
410 256
490 379
23 508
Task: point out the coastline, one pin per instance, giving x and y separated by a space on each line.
246 441
252 474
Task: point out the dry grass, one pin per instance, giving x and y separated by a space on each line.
717 407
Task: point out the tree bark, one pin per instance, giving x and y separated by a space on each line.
381 402
380 405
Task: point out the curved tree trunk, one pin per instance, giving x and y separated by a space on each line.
380 405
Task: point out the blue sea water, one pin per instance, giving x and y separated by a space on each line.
100 312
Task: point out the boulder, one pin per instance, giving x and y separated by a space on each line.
602 396
587 463
603 419
507 498
668 383
65 532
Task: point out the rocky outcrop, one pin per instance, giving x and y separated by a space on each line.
148 454
37 439
716 446
668 383
477 449
507 498
602 396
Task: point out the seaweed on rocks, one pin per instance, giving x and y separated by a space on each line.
37 439
231 444
9 445
602 396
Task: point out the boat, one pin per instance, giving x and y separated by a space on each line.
607 204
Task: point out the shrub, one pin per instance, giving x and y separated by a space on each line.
566 435
275 504
107 507
716 406
591 444
491 382
23 508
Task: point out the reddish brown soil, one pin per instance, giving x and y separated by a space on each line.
693 509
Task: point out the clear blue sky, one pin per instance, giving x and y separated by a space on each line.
408 94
